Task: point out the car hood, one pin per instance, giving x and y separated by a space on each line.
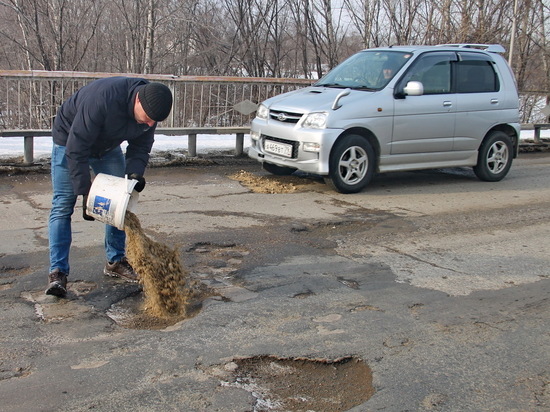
313 99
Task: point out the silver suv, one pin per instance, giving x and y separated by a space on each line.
394 109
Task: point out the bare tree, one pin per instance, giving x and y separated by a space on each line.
366 18
150 36
300 28
542 43
254 31
53 34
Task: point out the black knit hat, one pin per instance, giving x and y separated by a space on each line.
156 100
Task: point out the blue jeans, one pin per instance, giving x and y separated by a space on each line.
64 200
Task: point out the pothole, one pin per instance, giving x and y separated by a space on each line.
5 286
129 312
301 384
211 260
51 309
14 270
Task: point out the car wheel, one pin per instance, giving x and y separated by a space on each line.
494 158
278 170
351 164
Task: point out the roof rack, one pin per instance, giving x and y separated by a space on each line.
495 48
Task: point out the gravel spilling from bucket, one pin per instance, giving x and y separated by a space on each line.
160 271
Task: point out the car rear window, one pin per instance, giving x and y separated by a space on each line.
476 76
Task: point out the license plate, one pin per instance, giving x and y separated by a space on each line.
281 149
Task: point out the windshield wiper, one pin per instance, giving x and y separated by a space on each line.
367 88
329 85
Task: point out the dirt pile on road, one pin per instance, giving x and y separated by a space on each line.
271 183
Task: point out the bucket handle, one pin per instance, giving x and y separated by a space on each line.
129 185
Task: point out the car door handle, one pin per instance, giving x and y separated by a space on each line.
447 103
494 101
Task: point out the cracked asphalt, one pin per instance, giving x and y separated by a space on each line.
437 281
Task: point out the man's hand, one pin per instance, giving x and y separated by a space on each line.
85 215
140 185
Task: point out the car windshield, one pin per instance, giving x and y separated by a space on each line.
367 70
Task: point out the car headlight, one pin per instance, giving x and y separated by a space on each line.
262 112
315 121
254 135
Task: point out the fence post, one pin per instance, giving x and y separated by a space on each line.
192 144
239 144
28 150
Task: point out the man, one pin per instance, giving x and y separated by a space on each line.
388 72
87 133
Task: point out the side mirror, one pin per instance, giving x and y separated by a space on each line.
413 89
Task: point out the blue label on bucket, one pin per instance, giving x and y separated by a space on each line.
101 205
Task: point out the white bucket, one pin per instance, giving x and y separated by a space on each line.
110 197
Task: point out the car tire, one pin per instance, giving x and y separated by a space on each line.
351 164
495 157
278 170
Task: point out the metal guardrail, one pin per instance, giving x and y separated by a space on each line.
536 127
30 99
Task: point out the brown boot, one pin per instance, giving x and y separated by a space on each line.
121 269
57 284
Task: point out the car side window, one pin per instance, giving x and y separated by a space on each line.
433 71
476 76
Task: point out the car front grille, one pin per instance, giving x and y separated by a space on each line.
286 117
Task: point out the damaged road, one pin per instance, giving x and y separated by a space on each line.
427 291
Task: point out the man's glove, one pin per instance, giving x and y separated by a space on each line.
84 214
140 185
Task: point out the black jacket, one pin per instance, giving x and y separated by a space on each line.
98 118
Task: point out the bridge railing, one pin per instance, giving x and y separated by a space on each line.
29 99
